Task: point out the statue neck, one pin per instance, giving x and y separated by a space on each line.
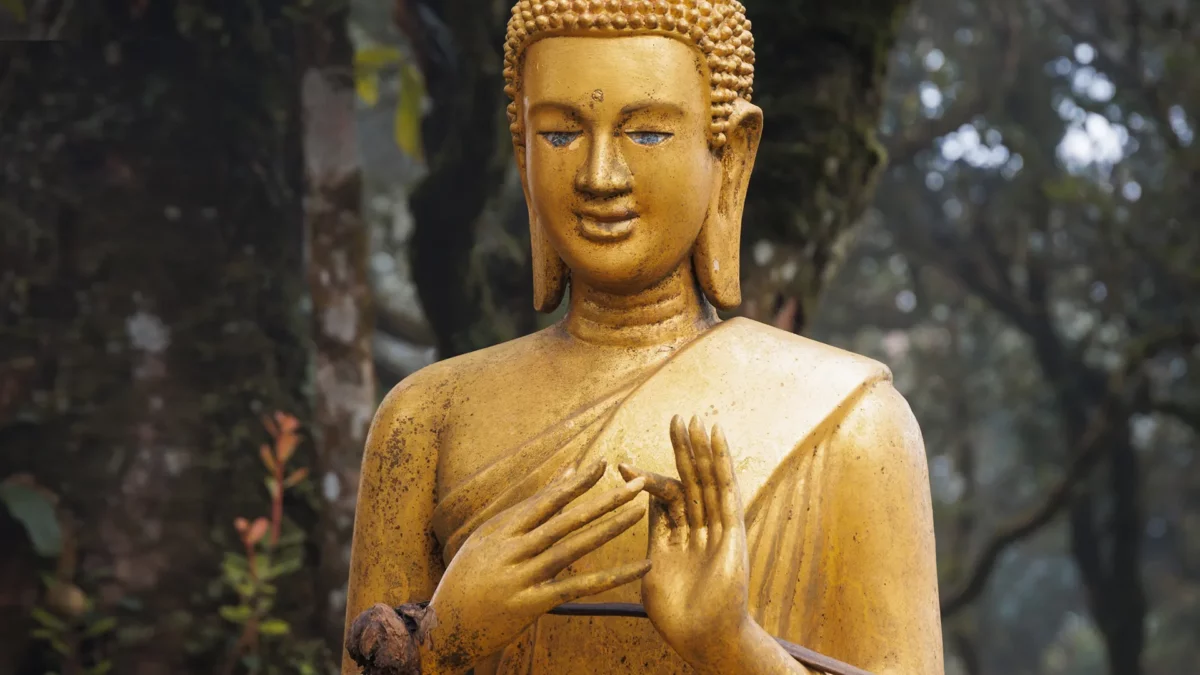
668 314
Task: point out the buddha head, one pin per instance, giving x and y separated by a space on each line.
635 139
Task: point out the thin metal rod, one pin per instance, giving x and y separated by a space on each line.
631 610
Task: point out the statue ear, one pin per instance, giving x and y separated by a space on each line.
549 271
717 255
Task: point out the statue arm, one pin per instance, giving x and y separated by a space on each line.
879 575
394 558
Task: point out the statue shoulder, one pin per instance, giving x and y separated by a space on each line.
816 359
883 431
436 389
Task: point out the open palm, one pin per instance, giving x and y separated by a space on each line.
698 587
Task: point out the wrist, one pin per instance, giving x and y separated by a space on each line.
748 648
442 653
724 649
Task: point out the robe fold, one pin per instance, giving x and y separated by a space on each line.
832 473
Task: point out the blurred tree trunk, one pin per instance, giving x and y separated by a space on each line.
475 291
336 261
820 75
819 78
150 209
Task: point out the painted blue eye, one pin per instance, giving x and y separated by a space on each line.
560 139
649 137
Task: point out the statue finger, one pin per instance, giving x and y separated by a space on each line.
571 589
684 462
562 554
727 487
581 514
702 452
666 490
550 500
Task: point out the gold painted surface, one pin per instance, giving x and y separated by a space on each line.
504 482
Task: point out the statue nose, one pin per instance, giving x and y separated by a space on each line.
605 174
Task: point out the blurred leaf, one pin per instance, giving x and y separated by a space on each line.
292 536
287 423
286 446
16 8
367 64
366 85
47 619
297 476
102 668
257 530
274 627
377 57
234 566
285 567
35 512
264 452
408 111
101 627
237 614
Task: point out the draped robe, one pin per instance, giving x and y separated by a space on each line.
832 472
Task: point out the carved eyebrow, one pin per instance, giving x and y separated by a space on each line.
555 106
655 106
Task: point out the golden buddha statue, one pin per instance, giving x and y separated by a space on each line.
500 484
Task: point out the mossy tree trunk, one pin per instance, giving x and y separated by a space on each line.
820 72
336 263
152 284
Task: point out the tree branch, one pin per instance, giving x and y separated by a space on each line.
1185 414
1090 448
1090 451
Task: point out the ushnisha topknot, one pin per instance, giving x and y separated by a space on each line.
719 29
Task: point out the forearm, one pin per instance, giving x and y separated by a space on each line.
752 650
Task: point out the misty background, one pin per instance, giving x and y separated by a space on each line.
225 232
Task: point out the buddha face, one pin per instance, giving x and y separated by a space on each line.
618 168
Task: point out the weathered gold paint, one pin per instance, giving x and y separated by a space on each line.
825 537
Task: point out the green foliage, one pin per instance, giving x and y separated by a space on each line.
33 510
74 629
371 64
15 7
272 551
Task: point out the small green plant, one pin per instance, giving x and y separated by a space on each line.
69 621
268 553
66 619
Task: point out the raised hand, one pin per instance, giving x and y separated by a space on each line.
503 577
697 593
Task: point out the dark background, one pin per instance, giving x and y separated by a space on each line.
213 212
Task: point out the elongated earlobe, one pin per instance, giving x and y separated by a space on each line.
717 255
549 271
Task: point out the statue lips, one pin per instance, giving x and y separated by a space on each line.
607 225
